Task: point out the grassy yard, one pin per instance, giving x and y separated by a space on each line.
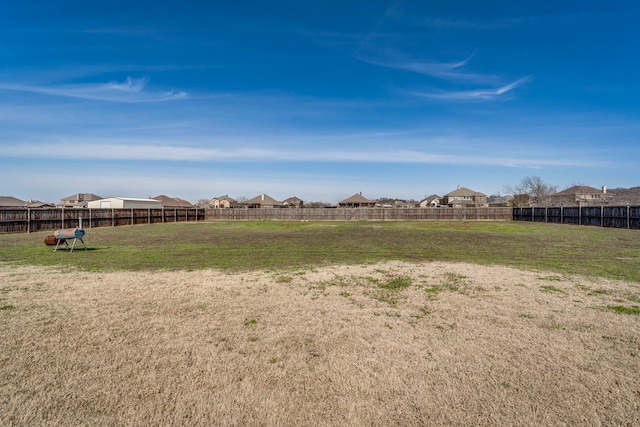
322 324
243 246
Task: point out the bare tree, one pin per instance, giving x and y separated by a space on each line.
534 188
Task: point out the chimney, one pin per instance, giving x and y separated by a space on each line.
604 189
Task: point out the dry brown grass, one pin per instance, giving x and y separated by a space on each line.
460 345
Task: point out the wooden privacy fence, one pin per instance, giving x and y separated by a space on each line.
601 216
30 220
361 214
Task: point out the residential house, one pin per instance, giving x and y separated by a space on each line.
293 202
395 203
262 201
173 202
625 196
223 202
34 204
357 201
430 202
465 197
79 200
499 202
580 195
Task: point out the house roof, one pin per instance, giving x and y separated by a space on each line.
172 202
357 198
292 201
37 204
11 202
431 198
579 189
499 200
86 197
463 192
263 199
225 197
185 203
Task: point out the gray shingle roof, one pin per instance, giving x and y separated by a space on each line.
355 199
263 200
578 189
463 192
11 202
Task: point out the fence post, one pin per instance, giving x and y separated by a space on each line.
579 214
628 217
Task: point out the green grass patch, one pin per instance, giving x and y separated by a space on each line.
551 278
299 246
396 283
454 281
551 288
623 309
251 322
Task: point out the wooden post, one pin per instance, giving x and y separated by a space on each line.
628 217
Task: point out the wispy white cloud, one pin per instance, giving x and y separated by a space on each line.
475 94
129 91
137 151
445 70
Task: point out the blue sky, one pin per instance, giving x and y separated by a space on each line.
315 99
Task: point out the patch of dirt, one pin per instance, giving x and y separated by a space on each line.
386 344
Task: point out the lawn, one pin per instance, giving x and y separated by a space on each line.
322 324
242 246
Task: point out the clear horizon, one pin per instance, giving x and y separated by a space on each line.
315 100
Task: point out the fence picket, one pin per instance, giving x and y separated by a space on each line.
601 216
23 220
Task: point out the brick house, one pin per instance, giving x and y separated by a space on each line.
465 197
